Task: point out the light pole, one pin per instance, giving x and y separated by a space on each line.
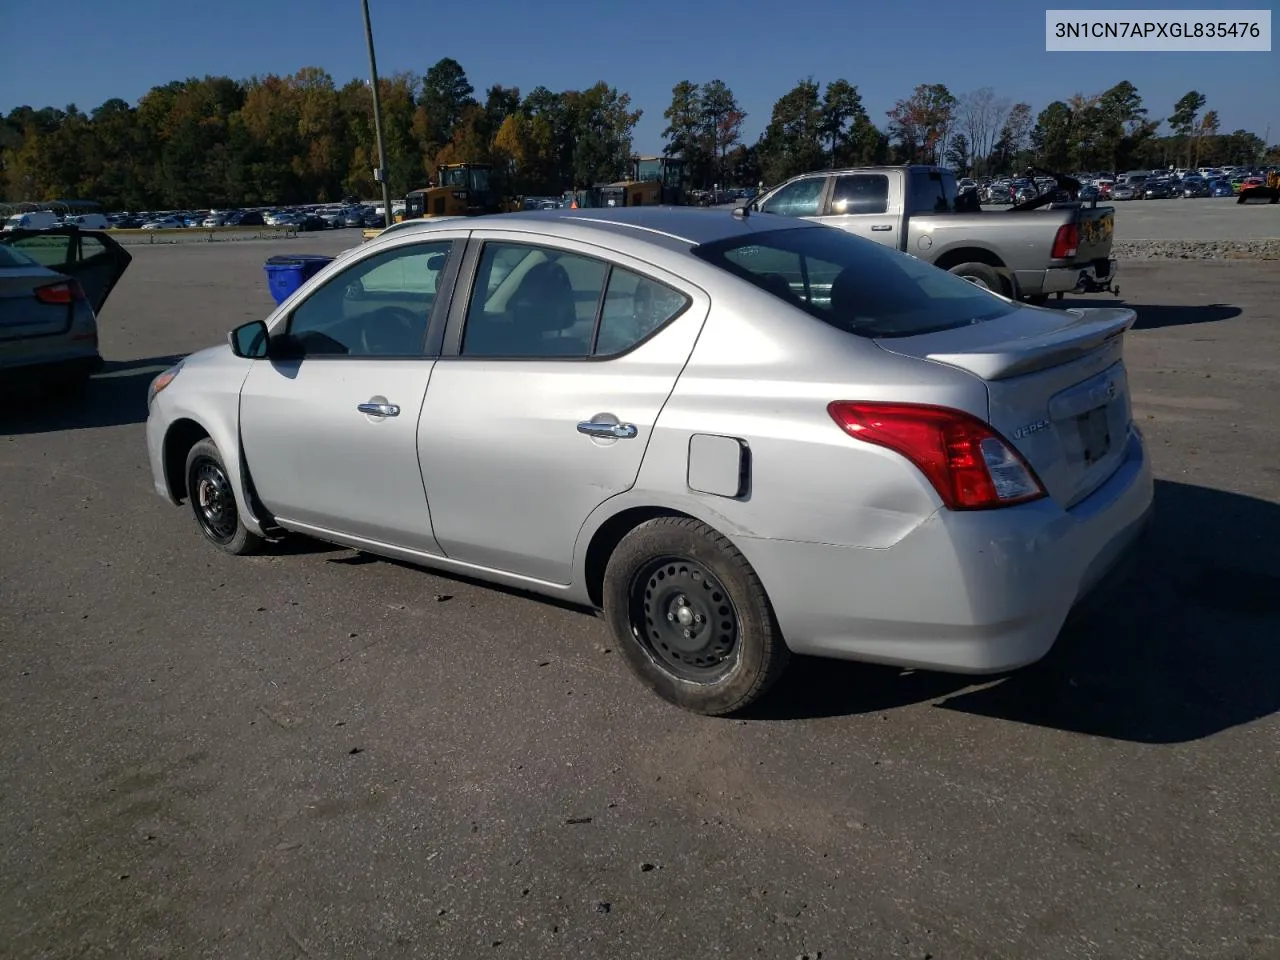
381 173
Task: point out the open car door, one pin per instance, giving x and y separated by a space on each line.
91 257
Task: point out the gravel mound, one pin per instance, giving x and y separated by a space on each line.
1196 249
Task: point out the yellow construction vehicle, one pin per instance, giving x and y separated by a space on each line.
459 190
652 181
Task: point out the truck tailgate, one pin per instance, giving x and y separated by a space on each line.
1097 229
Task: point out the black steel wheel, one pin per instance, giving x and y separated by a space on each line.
682 615
213 501
691 617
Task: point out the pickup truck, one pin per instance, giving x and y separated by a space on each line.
1029 251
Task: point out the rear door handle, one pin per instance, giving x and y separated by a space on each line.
882 226
614 431
379 409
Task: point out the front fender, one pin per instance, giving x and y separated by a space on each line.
207 401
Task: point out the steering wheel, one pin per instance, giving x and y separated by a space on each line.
390 331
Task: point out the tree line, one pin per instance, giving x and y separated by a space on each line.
217 142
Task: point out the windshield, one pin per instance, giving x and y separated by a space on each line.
479 180
854 284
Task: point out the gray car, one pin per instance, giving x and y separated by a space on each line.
737 436
53 284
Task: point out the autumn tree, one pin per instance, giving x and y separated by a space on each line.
922 122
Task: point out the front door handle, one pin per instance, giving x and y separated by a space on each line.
882 226
613 431
379 409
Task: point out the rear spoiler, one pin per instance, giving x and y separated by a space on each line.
1090 329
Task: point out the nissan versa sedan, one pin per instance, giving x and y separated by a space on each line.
736 437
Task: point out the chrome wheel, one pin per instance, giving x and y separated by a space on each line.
214 501
684 619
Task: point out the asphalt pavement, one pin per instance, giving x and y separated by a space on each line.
315 753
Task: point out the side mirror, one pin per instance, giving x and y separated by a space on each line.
249 340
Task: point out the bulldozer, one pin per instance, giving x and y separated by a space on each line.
652 181
460 190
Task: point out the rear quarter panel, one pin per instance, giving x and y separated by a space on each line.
1021 240
764 373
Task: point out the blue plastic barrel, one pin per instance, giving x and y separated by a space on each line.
287 272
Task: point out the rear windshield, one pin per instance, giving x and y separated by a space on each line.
10 257
854 284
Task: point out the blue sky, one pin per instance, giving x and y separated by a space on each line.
96 50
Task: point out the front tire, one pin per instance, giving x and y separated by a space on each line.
213 502
691 617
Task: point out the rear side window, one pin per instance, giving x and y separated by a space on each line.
932 191
854 284
860 193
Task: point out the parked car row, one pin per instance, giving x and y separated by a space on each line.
301 217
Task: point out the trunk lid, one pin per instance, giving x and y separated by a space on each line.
1056 387
21 314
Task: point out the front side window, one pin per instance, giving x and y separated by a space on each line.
854 284
799 199
531 302
378 307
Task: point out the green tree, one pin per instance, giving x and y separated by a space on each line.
843 118
1183 119
720 121
446 93
683 133
792 142
1051 136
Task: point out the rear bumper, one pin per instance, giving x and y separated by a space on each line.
976 593
1093 277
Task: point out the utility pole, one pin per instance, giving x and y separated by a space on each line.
381 173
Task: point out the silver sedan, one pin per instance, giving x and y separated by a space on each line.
737 437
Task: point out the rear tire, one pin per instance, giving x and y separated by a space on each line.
213 502
691 617
980 274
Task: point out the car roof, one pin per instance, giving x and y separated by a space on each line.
674 228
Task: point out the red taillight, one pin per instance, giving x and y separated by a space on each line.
1067 242
64 291
969 464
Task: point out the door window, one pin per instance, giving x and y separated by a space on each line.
860 193
798 199
47 249
379 307
634 308
932 191
533 302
